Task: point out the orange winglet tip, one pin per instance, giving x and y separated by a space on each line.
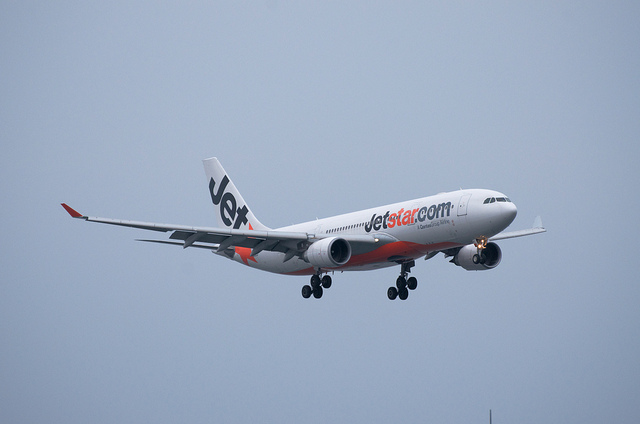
71 211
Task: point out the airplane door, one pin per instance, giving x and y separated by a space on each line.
462 205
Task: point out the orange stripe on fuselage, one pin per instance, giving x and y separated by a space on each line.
404 249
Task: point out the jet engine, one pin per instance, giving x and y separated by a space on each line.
329 252
489 257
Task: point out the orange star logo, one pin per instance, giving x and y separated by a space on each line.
245 252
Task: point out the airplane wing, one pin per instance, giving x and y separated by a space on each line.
536 229
221 240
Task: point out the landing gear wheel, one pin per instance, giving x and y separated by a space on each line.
326 281
403 294
315 281
412 283
317 292
475 259
306 291
403 284
392 293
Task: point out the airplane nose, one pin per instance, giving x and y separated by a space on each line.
509 212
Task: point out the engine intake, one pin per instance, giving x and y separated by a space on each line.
464 257
329 252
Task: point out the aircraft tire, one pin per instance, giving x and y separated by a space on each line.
392 293
403 294
315 281
326 281
412 283
306 291
476 259
317 292
400 283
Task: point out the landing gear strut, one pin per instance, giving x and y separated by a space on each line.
403 284
480 257
316 286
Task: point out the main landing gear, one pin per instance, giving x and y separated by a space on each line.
316 286
403 284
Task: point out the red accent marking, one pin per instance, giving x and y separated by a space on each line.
405 249
306 271
245 254
71 211
399 248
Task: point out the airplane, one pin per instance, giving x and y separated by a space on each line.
463 224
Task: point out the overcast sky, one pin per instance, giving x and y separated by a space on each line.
315 109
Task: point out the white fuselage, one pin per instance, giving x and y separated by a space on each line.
415 228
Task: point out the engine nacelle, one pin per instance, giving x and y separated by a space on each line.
464 257
329 252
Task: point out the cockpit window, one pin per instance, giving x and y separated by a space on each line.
496 199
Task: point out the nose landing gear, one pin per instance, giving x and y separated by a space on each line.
403 284
480 244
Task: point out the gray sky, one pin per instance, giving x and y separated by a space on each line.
317 109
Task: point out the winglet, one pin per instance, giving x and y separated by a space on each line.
537 223
72 211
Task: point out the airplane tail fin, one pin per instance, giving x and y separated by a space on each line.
231 210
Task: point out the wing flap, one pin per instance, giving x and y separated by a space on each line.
174 243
